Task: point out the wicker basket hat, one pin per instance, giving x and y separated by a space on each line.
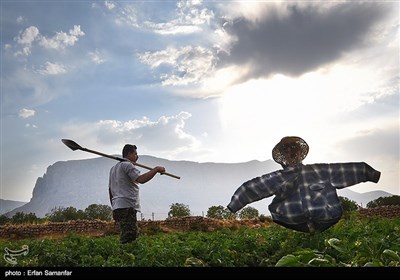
290 151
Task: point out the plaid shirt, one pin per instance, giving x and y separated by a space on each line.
304 193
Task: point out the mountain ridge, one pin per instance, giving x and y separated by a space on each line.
9 205
79 183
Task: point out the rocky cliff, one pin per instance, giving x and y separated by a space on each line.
79 183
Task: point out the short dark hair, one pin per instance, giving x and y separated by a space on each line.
128 148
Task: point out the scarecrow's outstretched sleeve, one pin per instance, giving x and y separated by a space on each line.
261 187
342 175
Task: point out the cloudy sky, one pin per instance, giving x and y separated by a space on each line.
206 81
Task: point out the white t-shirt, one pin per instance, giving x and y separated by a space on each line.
124 190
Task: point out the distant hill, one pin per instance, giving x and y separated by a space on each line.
362 198
8 205
79 183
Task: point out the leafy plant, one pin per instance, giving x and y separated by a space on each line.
179 210
219 212
383 201
248 213
353 242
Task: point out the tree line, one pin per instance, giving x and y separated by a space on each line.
104 212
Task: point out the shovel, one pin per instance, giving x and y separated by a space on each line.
75 146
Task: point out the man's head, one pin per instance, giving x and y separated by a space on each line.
128 148
290 151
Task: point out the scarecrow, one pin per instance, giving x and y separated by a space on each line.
306 197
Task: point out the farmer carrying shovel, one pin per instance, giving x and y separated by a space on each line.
123 187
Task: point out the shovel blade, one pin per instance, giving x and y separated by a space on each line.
71 144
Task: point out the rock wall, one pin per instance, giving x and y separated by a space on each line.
56 229
390 211
98 227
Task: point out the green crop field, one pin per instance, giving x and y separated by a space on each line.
353 242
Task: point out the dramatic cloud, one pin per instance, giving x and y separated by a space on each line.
26 113
20 20
97 57
144 133
286 38
31 125
52 69
110 5
303 39
190 17
122 14
26 38
382 142
59 41
62 40
188 64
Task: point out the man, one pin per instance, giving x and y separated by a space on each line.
124 192
305 195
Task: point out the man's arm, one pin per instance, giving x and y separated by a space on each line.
150 174
110 195
109 188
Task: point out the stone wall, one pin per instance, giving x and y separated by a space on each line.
392 211
98 228
51 229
